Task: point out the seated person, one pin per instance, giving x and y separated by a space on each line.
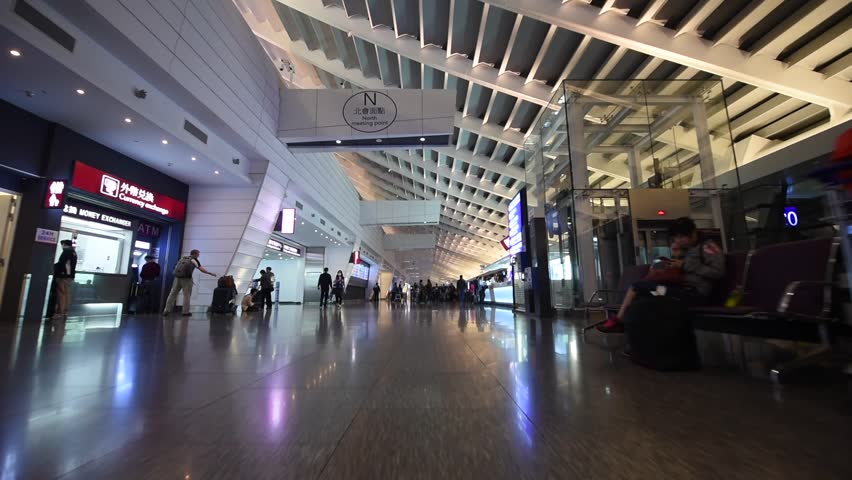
690 279
248 304
224 296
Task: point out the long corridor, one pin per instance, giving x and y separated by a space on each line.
379 392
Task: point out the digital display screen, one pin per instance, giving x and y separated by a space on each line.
791 216
517 214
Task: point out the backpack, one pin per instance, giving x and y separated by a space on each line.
184 267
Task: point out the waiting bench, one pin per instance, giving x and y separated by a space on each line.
786 294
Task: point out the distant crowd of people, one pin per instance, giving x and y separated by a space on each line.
463 291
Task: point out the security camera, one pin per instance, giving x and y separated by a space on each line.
235 161
140 93
341 84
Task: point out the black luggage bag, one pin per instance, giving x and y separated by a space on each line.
659 333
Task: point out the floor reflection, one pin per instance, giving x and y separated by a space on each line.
304 392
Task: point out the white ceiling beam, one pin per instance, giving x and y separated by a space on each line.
689 50
357 77
696 16
732 33
456 65
455 176
802 21
822 49
840 68
483 21
450 190
542 52
511 45
650 12
484 162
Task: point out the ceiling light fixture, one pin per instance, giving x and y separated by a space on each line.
15 53
378 140
128 120
192 158
80 91
422 139
338 142
216 172
164 141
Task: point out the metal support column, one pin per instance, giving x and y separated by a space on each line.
583 226
634 168
705 148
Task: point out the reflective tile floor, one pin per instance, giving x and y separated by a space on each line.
378 392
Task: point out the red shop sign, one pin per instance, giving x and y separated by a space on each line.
93 180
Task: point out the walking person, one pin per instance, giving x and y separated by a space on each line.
324 285
183 281
149 274
266 287
461 286
339 284
63 276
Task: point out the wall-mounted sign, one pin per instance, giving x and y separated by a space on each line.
355 257
286 223
148 230
517 220
92 180
89 213
283 247
361 271
44 235
55 196
369 111
791 216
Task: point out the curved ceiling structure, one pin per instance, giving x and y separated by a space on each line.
785 67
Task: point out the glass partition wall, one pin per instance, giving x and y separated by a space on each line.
600 144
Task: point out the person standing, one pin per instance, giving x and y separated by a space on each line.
149 274
183 281
266 287
63 276
324 285
461 286
339 284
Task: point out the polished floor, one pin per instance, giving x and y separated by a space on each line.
379 392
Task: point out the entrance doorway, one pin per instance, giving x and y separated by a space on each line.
8 219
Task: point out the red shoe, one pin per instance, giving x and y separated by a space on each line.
612 324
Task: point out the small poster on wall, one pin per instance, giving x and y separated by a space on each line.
44 235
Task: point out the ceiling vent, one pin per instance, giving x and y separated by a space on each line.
44 25
299 205
195 131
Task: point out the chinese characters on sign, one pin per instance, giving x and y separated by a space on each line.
93 180
281 247
369 111
55 197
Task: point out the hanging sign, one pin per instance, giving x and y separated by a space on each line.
369 111
92 180
55 197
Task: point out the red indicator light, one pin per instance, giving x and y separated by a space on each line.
661 212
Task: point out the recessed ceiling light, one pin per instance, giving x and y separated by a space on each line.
338 142
378 140
128 120
164 141
422 139
15 53
192 158
80 91
216 172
